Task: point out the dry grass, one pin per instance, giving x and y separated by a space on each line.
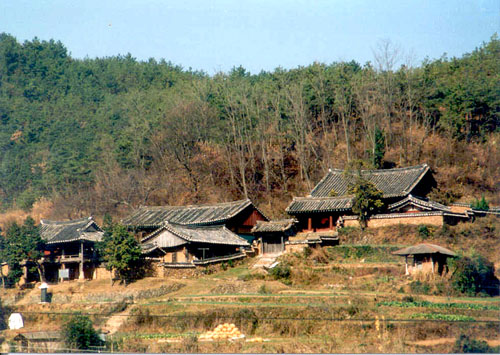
41 209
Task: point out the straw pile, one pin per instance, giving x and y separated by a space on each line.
224 331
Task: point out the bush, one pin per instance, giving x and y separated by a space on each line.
79 333
473 275
481 205
281 272
464 344
420 287
423 231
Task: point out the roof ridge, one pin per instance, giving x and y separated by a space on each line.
343 197
202 205
413 167
70 222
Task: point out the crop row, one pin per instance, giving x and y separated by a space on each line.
439 316
427 304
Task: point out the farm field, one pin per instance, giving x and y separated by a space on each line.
361 304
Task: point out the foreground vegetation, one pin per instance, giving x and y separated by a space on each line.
350 298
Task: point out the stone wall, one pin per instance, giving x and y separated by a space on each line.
101 273
391 221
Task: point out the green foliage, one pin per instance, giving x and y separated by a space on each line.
281 272
423 231
122 253
464 345
472 275
79 333
367 200
427 304
21 243
378 149
439 316
110 126
481 205
420 287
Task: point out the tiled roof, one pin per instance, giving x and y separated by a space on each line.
425 248
69 231
425 204
154 216
273 226
170 235
319 204
392 182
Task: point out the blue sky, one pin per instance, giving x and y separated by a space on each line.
259 35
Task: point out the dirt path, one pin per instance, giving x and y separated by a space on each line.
115 321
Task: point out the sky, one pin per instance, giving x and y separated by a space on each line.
217 35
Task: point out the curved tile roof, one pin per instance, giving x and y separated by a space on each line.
154 216
69 231
425 204
198 234
273 226
392 182
319 204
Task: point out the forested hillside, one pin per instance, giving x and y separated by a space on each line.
107 134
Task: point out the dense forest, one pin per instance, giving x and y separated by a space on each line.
108 134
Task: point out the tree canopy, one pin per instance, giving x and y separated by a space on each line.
98 135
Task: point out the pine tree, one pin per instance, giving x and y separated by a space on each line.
122 253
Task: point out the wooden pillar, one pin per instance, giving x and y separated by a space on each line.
309 223
406 265
331 222
432 261
81 276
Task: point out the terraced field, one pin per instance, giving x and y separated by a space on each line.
330 303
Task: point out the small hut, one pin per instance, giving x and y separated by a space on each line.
425 258
48 341
273 235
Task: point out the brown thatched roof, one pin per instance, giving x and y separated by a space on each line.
425 248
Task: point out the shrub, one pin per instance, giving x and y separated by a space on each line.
306 252
420 287
464 344
423 231
481 205
473 275
281 272
79 333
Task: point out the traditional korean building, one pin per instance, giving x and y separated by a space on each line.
238 216
189 236
272 235
70 246
425 258
182 246
329 203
